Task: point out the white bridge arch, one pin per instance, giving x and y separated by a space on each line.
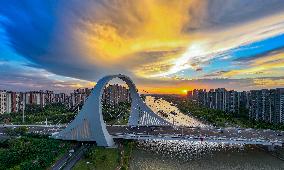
89 124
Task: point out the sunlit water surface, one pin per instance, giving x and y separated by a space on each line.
180 119
179 155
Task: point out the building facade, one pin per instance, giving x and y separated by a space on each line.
262 105
17 101
3 103
115 94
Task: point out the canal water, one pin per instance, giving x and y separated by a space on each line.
176 155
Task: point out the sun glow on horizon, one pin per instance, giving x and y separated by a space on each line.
184 91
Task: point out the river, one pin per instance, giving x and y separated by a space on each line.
180 119
185 155
188 156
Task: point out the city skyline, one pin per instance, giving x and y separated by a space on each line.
11 101
141 84
261 105
264 105
168 47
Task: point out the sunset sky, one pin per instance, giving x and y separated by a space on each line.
165 46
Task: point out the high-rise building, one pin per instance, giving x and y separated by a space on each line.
114 94
78 97
3 102
243 100
9 100
13 100
211 99
255 105
35 98
266 105
49 96
221 99
232 101
263 105
279 105
198 96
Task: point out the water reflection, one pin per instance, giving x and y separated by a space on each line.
179 118
177 155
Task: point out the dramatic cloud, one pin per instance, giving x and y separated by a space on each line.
28 78
149 40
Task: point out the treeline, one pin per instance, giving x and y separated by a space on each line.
59 114
54 113
116 114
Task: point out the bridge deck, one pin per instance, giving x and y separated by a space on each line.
227 135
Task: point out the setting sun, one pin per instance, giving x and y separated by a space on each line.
184 91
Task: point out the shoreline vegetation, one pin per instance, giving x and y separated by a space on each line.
220 118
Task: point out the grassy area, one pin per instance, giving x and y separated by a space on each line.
99 158
30 152
107 158
126 154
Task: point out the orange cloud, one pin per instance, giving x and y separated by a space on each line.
269 83
128 30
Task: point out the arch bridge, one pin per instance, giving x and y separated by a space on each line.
144 124
89 124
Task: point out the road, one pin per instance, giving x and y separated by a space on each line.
39 129
61 162
70 158
76 157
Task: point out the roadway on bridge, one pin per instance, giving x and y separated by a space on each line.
234 135
203 134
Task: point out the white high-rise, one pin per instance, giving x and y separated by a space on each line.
3 102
